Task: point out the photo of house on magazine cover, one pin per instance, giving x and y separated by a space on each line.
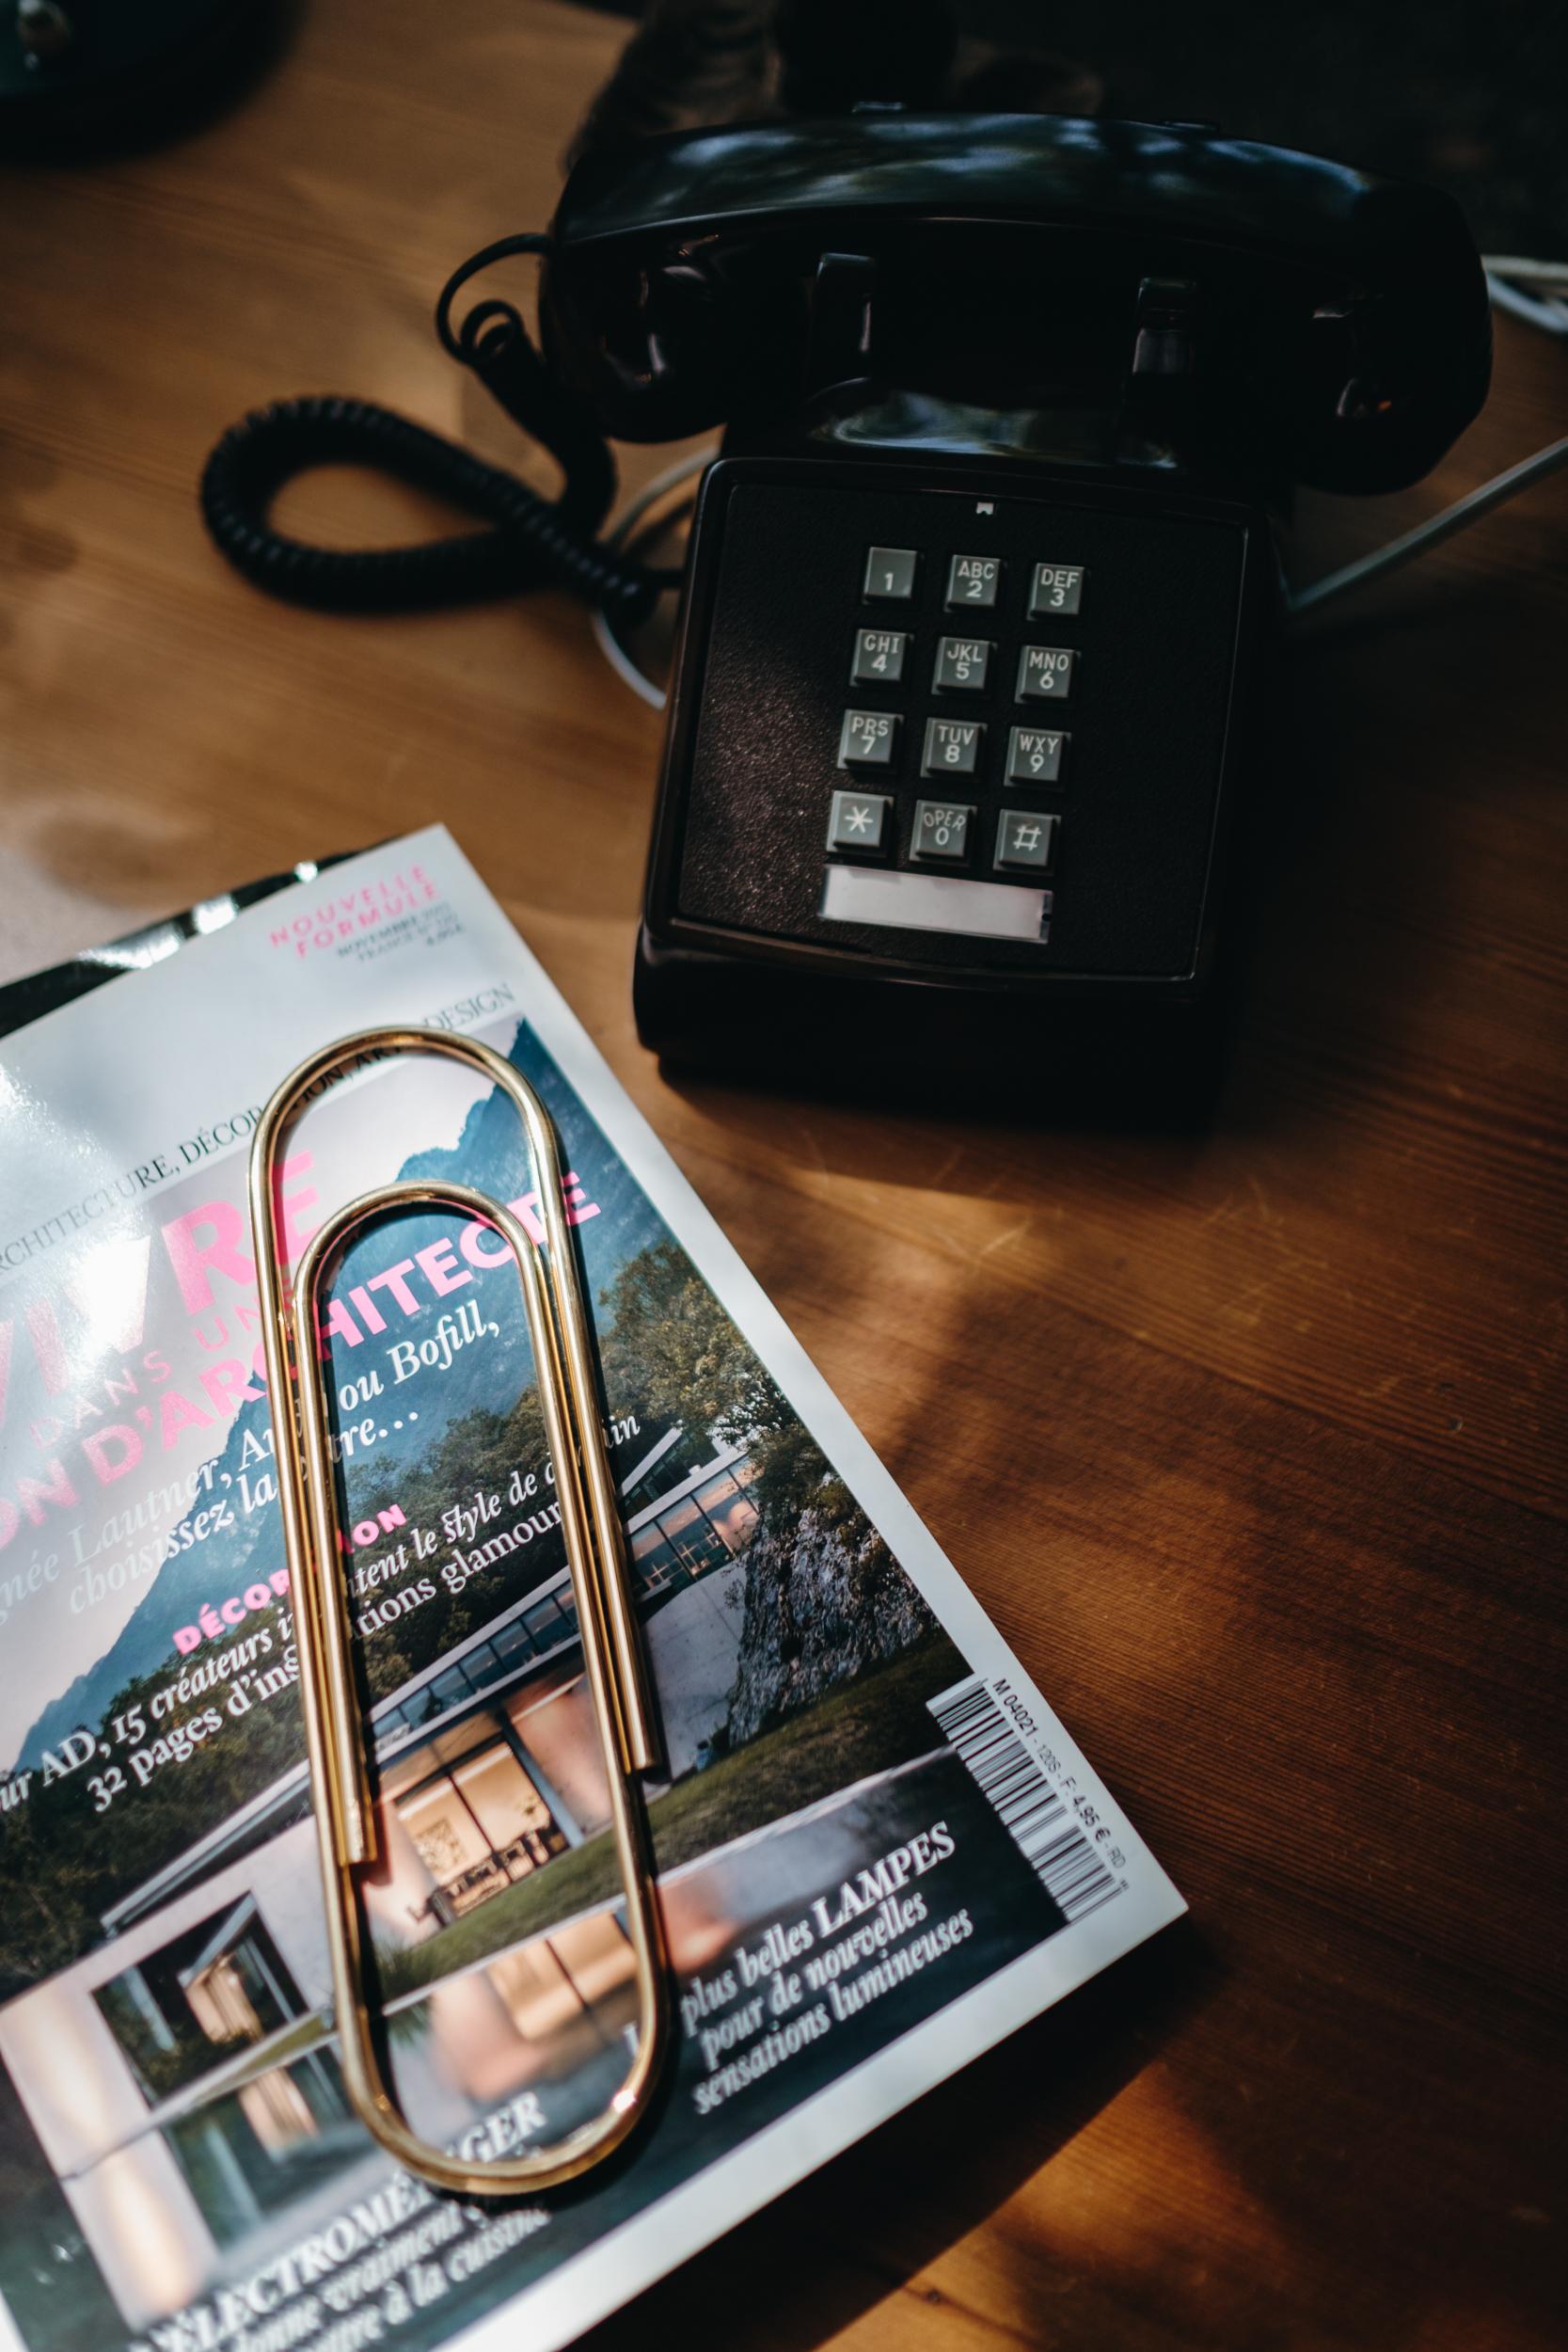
849 1833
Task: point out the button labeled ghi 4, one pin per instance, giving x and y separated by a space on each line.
879 657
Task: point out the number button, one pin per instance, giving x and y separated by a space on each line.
940 832
974 580
1045 674
952 747
867 738
1034 757
1025 841
858 820
961 665
1056 588
879 657
890 573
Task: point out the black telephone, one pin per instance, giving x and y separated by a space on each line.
981 589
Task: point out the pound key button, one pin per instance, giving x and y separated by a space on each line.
1025 841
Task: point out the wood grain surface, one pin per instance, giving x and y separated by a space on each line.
1251 1441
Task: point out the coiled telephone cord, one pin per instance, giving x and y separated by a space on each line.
532 541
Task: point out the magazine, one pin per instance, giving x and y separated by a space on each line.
879 1852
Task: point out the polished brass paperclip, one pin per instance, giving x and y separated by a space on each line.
345 1820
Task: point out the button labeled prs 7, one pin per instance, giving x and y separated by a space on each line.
867 737
1045 672
890 573
879 657
858 820
1056 588
952 747
1034 757
1025 841
940 832
961 665
974 579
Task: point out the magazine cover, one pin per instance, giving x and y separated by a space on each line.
878 1850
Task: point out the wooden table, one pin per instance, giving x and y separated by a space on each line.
1251 1442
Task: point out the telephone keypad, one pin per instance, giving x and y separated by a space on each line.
972 582
1035 755
941 833
952 747
879 657
962 664
868 738
858 820
1045 672
1025 841
889 574
1100 864
1056 588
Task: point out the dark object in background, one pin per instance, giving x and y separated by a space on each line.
75 73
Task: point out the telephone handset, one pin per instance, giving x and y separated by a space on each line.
981 589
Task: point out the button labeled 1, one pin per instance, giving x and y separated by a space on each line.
890 573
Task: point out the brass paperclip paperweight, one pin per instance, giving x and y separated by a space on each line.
345 1817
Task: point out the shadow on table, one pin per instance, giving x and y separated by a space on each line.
814 2261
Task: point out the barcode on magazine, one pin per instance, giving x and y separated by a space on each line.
1065 1843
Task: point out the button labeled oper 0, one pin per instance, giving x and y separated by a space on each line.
940 832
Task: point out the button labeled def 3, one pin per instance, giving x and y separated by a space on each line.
1056 588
